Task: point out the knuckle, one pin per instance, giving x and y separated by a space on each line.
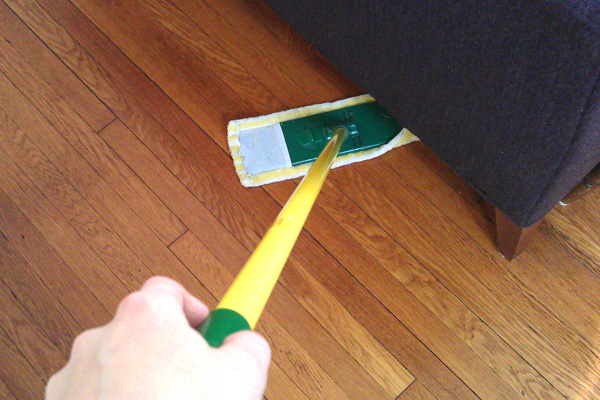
82 341
135 303
140 306
161 282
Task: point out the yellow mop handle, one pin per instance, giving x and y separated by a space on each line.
248 294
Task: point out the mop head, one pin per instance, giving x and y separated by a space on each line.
260 153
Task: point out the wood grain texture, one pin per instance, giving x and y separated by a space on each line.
63 195
28 337
548 284
86 142
144 42
483 287
4 392
231 40
52 71
66 282
17 373
395 286
583 246
249 89
416 391
263 33
559 265
122 225
583 213
34 295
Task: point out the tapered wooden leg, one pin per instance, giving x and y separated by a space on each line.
512 239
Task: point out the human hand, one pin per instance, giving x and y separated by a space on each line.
151 351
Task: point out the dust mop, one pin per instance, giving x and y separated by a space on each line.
284 145
304 141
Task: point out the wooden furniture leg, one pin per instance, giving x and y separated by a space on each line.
512 238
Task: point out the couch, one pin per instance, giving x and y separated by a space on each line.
506 92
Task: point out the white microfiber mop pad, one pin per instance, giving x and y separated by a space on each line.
260 155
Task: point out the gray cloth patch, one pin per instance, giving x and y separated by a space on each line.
263 149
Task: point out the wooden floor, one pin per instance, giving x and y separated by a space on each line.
114 167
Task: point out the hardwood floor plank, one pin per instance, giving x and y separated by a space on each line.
369 353
583 247
551 290
145 42
479 296
116 73
416 391
111 249
30 290
393 295
66 283
280 386
114 84
93 74
86 142
535 279
227 69
531 276
243 52
584 213
52 71
28 337
434 179
17 373
417 167
559 263
260 32
79 308
5 393
438 299
123 222
195 214
139 158
421 155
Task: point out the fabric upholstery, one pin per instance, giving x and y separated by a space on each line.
506 92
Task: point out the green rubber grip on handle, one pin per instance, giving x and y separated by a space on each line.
220 323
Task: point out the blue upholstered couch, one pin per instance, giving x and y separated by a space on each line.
506 92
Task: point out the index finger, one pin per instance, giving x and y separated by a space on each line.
168 295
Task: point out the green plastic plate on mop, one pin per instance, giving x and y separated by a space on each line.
369 125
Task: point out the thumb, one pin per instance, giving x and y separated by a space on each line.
250 349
